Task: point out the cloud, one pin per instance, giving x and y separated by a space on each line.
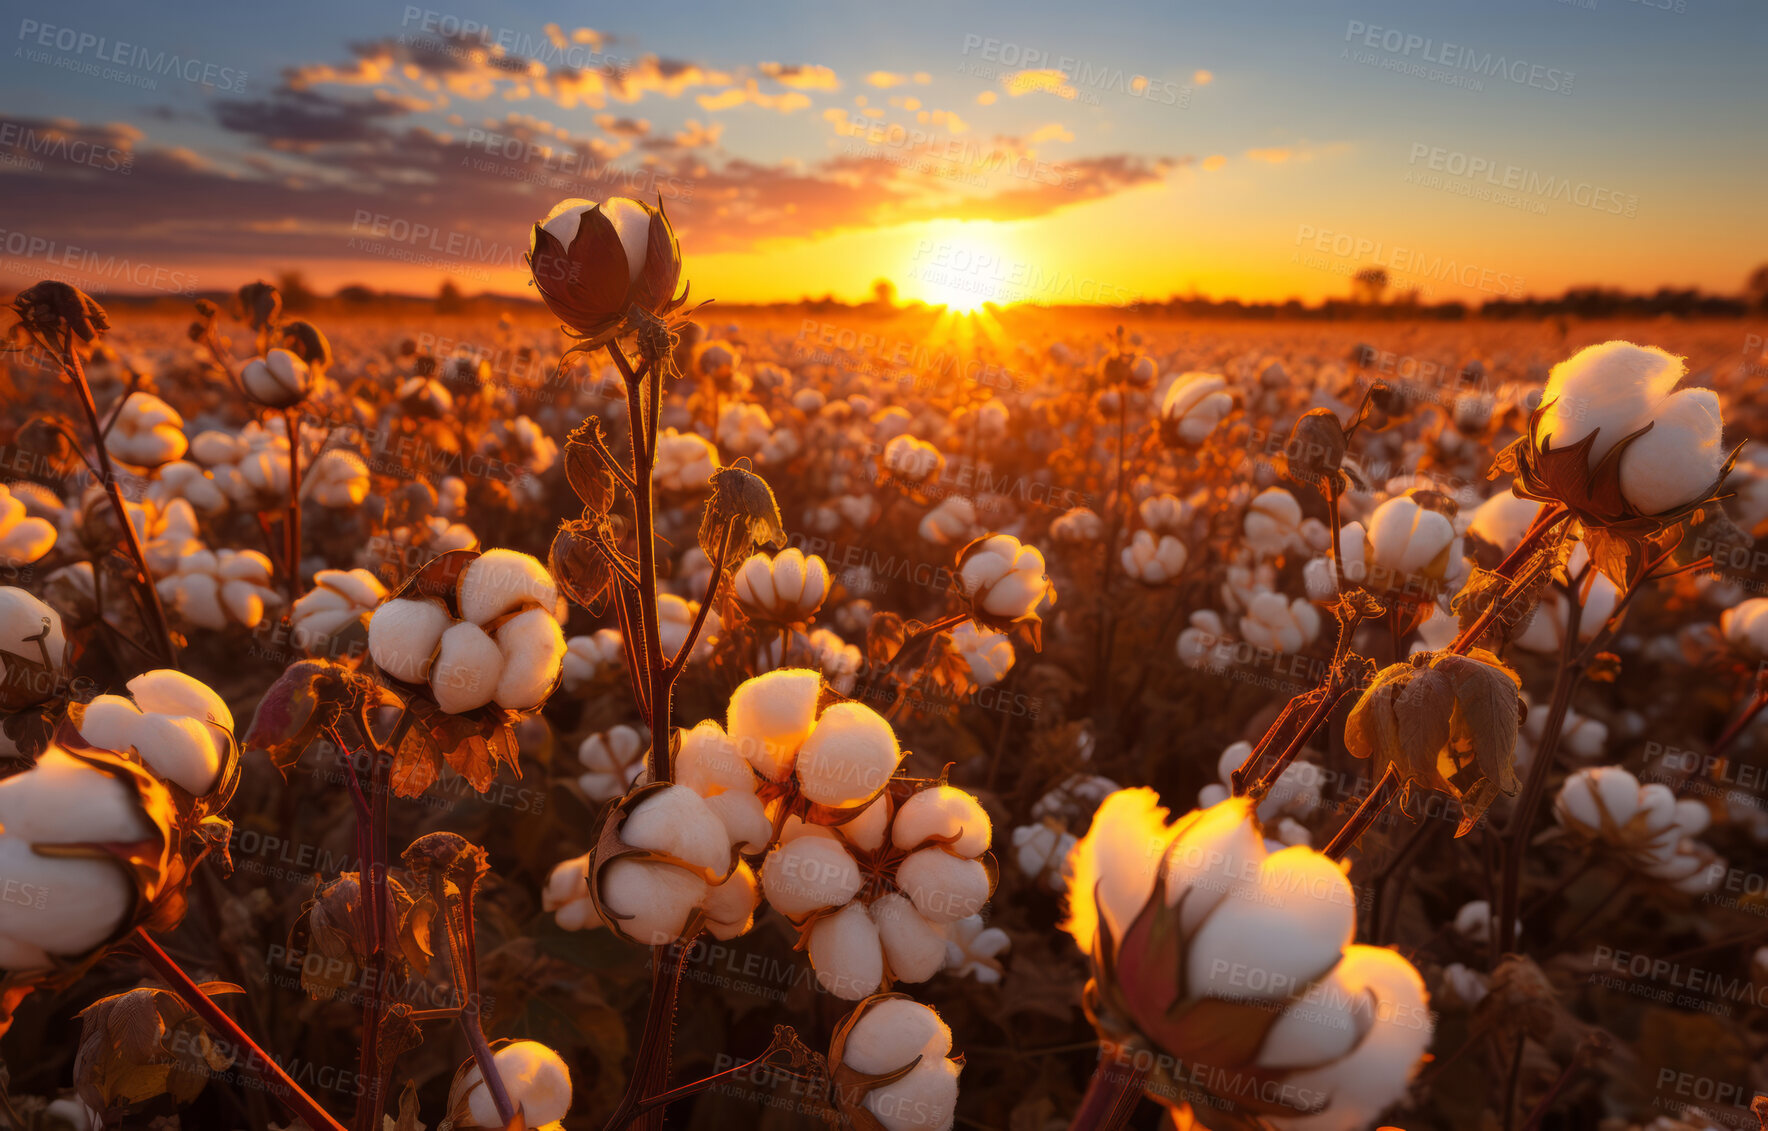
751 93
884 80
1049 80
1202 78
1051 132
1273 155
307 119
802 76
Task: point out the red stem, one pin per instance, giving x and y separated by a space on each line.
278 1082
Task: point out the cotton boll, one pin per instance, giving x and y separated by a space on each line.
1216 856
1290 925
1679 459
179 749
534 1078
866 830
709 763
167 691
650 900
730 906
944 888
809 873
676 821
467 669
771 715
848 757
846 953
1112 867
915 947
893 1032
1609 389
533 648
1377 1073
74 904
499 581
403 634
924 1100
744 817
943 811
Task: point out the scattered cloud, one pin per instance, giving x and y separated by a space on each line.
802 76
1048 80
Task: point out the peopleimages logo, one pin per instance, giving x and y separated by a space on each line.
1455 58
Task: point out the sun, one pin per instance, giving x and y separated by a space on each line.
963 265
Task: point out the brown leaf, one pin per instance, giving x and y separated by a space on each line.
585 469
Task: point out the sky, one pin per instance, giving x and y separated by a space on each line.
966 150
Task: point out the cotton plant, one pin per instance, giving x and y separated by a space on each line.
24 538
498 641
1175 914
215 589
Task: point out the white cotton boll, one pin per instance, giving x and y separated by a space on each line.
62 800
916 948
499 581
1609 389
1692 816
566 883
846 953
1678 460
1288 926
167 691
809 873
744 818
74 904
709 763
944 888
534 1078
403 635
676 821
1219 853
533 648
1377 1073
848 757
771 715
1321 1026
943 811
924 1100
1503 519
866 831
730 906
1111 870
651 900
754 583
467 669
178 749
893 1032
633 225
